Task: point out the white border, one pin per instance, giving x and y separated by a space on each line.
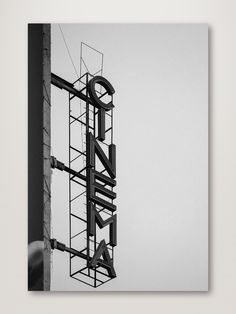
220 15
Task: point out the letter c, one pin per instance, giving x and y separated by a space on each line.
93 95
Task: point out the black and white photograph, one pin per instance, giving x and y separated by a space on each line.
118 157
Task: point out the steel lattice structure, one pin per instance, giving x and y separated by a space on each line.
91 179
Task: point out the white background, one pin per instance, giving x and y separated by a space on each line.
220 15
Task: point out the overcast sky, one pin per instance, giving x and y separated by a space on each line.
160 74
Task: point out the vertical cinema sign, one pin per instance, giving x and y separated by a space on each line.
99 183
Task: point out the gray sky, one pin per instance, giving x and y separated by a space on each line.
160 76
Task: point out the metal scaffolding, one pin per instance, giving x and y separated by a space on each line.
78 199
83 118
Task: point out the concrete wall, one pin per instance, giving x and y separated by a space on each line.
39 171
47 150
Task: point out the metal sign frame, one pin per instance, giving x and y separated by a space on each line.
91 194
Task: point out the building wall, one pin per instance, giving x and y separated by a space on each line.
39 78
